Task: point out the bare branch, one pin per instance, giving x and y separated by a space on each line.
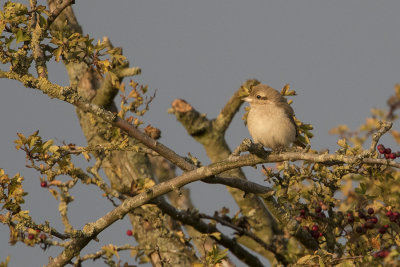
384 128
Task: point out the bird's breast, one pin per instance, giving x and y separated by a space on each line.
270 126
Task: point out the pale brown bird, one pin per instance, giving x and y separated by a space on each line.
270 119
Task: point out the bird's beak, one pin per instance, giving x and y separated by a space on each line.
247 99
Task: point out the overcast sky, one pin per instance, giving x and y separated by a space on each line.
342 57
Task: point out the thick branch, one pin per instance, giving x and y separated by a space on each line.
56 12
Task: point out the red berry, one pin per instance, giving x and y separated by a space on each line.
396 214
381 148
386 226
381 254
321 234
318 209
388 151
392 218
350 219
387 156
382 230
43 236
315 228
371 211
374 220
306 228
129 233
384 253
31 236
389 213
302 212
315 234
392 156
43 184
37 231
368 225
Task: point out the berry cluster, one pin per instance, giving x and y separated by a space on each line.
393 216
314 231
387 152
363 222
370 221
317 214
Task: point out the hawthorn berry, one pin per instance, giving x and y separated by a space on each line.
388 151
382 230
361 215
129 232
392 156
386 226
302 212
381 254
381 148
373 220
387 156
371 211
31 236
315 228
389 213
43 184
43 236
368 225
350 217
315 234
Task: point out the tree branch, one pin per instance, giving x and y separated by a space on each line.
56 12
224 118
69 95
199 225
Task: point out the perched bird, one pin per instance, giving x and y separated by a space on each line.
270 119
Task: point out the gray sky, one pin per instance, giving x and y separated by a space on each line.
341 57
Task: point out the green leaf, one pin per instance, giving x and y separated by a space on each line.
2 26
21 36
47 144
306 259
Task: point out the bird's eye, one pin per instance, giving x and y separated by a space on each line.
258 97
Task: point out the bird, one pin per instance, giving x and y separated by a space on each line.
270 119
